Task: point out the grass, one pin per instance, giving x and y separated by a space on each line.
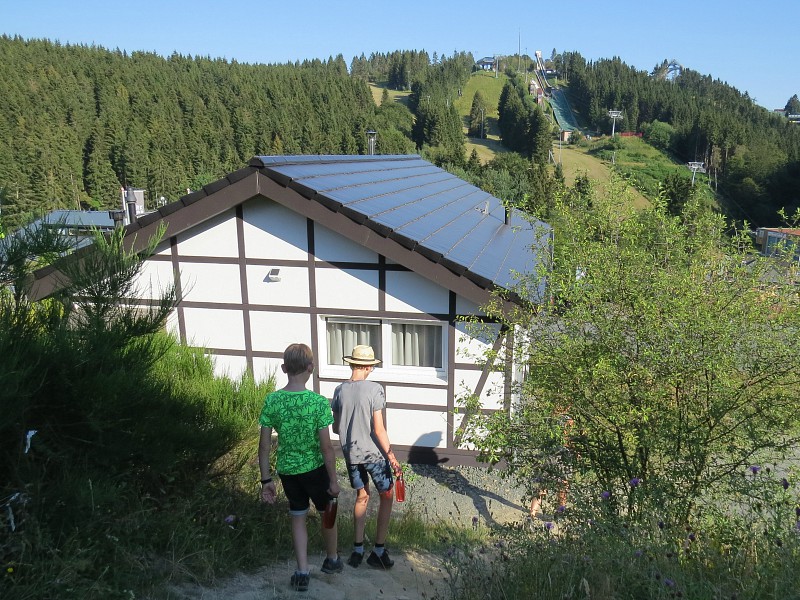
395 95
127 543
587 552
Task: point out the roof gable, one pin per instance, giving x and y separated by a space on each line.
464 231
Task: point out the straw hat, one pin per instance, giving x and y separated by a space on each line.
362 355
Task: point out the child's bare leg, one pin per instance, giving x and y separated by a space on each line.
384 514
360 513
300 538
331 539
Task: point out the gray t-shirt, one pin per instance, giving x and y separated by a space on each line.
355 401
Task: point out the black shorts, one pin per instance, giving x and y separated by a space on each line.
300 488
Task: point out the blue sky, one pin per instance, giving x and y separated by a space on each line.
750 45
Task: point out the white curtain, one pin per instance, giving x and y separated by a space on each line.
344 336
416 345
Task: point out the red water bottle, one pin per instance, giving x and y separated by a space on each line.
400 488
329 514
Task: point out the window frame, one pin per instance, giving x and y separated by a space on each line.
386 371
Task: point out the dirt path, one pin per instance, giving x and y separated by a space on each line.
414 576
464 496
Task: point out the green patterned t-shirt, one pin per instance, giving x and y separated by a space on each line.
297 417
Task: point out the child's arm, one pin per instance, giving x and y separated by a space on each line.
330 460
268 491
383 440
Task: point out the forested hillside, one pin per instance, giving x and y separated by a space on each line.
753 153
78 122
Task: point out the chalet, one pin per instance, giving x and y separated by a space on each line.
487 63
335 251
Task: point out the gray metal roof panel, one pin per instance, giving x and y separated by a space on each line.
420 206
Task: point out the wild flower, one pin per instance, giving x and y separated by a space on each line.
661 524
692 537
549 525
561 508
635 481
754 469
605 494
669 582
638 553
785 483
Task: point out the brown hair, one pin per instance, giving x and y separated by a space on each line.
296 358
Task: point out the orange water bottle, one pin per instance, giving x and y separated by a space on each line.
400 488
329 514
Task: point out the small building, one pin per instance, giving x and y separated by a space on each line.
75 226
769 239
487 63
334 251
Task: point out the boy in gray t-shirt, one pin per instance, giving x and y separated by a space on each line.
358 420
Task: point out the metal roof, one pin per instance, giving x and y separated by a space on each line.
77 218
400 206
423 207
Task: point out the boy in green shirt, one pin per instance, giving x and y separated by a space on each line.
306 461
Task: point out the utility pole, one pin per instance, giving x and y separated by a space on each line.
614 114
695 167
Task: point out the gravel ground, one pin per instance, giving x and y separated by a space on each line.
459 494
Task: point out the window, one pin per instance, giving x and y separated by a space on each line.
344 334
402 346
416 345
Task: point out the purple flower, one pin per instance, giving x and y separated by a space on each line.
661 524
605 495
635 481
561 508
785 483
692 537
755 469
638 553
230 519
474 521
549 525
797 511
669 582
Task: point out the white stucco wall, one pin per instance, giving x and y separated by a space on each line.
351 289
215 237
332 247
274 232
214 328
409 292
274 331
291 290
204 282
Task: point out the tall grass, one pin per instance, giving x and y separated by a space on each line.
142 499
741 547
